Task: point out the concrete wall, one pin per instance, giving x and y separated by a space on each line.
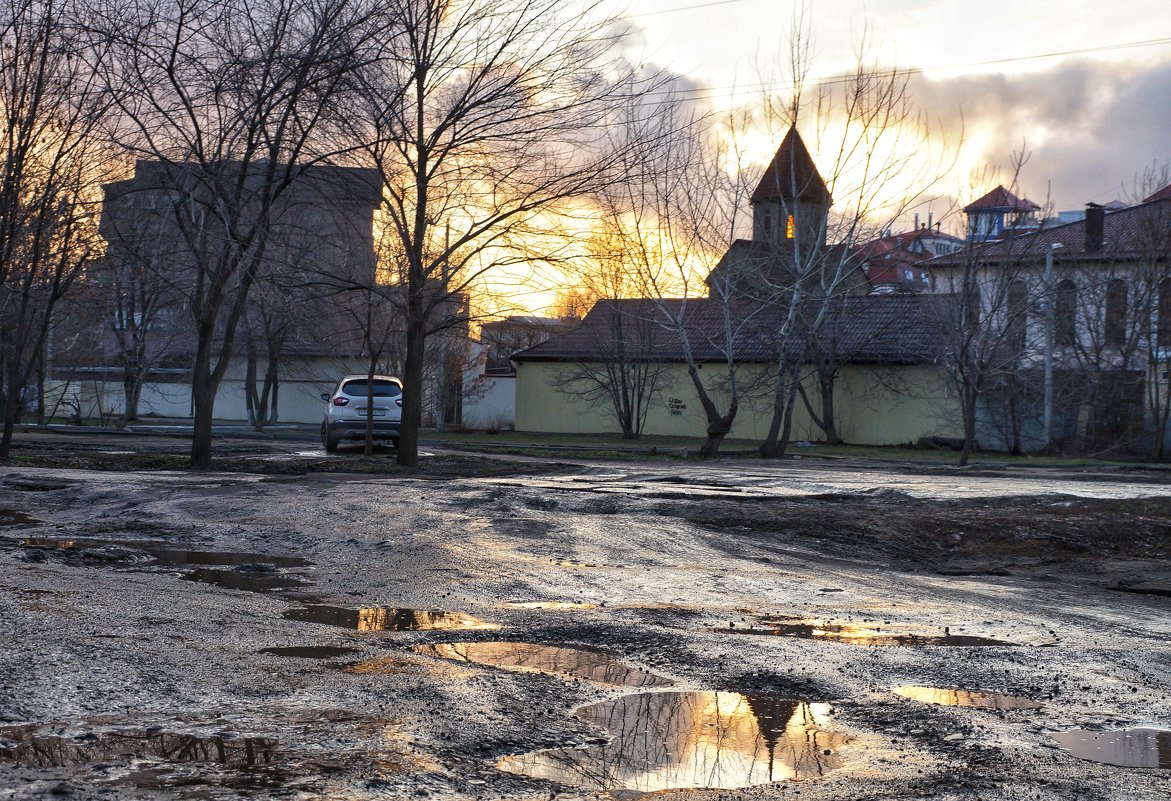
875 405
301 386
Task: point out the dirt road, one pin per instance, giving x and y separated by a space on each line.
808 631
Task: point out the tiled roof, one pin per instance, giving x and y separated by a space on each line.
1130 233
1000 199
792 175
862 329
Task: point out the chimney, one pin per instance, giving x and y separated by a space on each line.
1095 227
916 221
930 216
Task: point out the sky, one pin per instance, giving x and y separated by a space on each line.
1083 87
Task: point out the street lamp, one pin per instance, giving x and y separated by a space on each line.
1050 311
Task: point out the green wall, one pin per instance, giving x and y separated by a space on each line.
874 405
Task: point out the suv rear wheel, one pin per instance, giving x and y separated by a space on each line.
330 442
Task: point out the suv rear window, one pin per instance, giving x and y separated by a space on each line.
382 389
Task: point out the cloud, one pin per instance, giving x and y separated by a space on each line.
1090 127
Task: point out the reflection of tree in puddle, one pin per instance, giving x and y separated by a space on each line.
694 739
380 618
593 665
1131 748
968 698
25 747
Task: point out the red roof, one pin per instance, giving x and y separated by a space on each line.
792 175
1000 199
1162 194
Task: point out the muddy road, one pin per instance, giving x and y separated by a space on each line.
530 630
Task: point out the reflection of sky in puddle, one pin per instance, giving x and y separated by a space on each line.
970 698
548 605
24 746
1130 748
860 633
693 739
596 666
380 618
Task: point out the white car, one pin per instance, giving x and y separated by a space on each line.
346 410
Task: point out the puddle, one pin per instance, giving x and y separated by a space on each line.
675 740
311 651
248 582
170 556
24 746
969 698
11 517
380 618
596 666
860 633
383 665
1129 748
548 605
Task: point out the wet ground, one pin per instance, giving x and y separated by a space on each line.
493 629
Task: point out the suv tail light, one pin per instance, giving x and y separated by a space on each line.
340 401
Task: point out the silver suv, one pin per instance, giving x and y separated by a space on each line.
346 410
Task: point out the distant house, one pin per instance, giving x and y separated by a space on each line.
998 214
895 262
489 382
1087 307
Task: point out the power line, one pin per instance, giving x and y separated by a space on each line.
844 79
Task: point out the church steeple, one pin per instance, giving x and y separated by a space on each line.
791 202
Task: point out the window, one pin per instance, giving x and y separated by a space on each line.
790 228
1163 332
1115 312
1018 315
1064 326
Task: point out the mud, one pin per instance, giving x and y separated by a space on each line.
646 565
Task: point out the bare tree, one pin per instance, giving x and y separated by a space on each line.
805 257
229 100
49 158
483 116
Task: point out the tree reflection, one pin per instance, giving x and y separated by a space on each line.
694 739
25 746
596 666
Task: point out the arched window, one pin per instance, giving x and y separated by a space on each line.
790 228
1164 323
1065 310
1115 312
1018 315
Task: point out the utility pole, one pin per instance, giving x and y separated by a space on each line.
1050 316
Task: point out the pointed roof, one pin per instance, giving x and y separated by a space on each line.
1000 199
792 175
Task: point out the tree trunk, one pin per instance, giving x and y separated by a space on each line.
969 414
412 414
203 391
251 402
826 379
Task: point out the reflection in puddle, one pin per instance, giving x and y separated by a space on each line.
173 557
970 698
693 739
380 618
22 745
11 517
1130 748
310 651
860 633
593 665
231 580
383 665
548 605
